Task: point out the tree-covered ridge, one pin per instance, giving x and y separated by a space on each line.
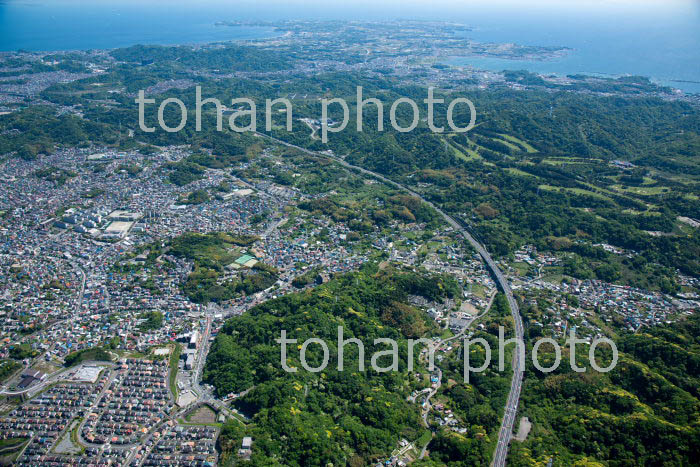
37 129
224 58
646 411
400 208
672 351
341 417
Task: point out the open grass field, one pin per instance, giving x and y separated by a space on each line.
510 144
552 274
606 192
577 191
643 190
523 269
174 358
523 144
514 171
641 213
464 153
571 160
647 180
213 248
478 290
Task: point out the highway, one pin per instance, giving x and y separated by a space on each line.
511 408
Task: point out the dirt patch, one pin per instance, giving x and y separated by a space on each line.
46 367
524 430
66 445
203 414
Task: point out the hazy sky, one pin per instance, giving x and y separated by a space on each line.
423 9
630 5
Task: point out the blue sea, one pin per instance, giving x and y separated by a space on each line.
662 44
658 39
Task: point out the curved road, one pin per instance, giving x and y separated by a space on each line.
511 408
439 344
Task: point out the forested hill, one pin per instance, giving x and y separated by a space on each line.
332 417
646 411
